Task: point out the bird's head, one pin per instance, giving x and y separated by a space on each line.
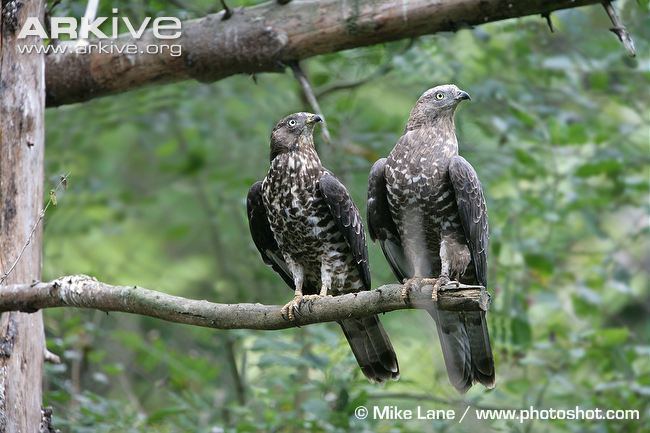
292 132
439 102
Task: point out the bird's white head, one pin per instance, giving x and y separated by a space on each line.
444 96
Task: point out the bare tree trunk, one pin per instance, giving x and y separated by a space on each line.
22 101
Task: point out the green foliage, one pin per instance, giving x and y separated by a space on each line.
558 132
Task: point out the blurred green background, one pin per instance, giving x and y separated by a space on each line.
559 132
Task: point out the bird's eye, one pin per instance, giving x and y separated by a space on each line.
292 122
440 96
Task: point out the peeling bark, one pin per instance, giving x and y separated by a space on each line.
22 101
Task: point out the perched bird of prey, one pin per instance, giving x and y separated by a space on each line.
307 228
426 207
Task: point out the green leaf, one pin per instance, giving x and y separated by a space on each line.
162 414
606 166
540 263
522 334
610 337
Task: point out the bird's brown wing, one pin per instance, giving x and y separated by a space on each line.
381 225
464 335
371 348
368 340
262 235
473 213
348 221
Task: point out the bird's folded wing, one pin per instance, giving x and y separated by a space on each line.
473 213
348 221
263 236
381 225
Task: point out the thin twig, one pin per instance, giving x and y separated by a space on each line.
549 22
348 85
619 29
50 357
63 181
227 12
308 93
381 71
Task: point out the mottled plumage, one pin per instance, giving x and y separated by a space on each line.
426 208
309 231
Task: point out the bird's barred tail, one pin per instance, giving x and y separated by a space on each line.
465 347
372 348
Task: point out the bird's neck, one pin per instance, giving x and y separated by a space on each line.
443 121
432 134
302 160
306 156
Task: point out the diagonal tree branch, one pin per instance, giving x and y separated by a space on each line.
619 29
265 37
310 97
82 291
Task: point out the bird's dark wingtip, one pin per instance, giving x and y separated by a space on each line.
487 381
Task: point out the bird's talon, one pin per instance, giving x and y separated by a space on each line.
292 308
409 285
415 283
428 282
404 294
439 286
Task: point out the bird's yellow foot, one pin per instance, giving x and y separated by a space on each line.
439 286
407 286
414 283
292 308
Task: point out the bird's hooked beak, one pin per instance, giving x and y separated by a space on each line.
461 95
314 118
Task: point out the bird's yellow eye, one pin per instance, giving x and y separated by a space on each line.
292 122
440 96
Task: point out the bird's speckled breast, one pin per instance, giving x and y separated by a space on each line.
302 223
294 205
420 194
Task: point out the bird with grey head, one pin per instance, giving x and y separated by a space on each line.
436 104
427 210
292 132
